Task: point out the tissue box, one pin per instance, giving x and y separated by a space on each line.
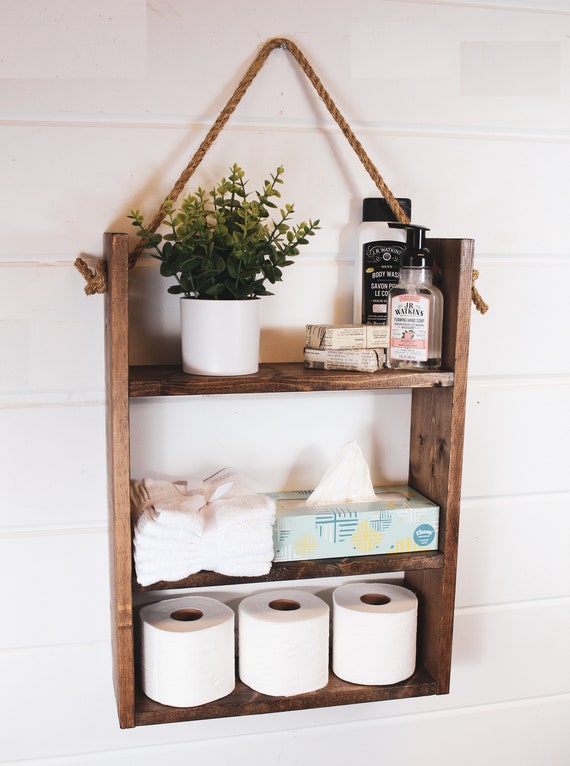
400 520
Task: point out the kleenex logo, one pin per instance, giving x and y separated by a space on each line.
424 534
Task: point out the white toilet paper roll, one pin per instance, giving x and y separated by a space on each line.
283 642
188 650
374 633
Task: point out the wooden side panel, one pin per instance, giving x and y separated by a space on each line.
436 454
118 472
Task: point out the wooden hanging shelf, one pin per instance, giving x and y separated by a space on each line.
435 463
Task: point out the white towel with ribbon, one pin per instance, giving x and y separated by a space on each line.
219 524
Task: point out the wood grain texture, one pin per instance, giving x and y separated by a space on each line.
275 378
436 456
315 568
118 472
246 701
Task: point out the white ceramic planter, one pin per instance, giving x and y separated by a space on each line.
220 337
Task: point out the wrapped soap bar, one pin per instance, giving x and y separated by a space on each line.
335 336
354 359
349 336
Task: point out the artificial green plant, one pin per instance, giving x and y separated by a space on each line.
224 244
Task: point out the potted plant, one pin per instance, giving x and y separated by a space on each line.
223 247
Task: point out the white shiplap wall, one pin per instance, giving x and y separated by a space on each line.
463 106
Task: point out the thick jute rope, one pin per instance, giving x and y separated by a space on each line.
96 279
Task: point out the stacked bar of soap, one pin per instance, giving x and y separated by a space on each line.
357 347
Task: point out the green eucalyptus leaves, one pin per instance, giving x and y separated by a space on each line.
224 244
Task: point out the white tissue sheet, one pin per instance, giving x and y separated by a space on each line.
347 480
374 642
190 660
283 642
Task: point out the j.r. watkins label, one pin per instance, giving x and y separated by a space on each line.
381 269
409 328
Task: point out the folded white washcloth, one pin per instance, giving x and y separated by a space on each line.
238 535
154 562
246 569
165 571
219 524
162 548
167 533
155 537
151 524
244 511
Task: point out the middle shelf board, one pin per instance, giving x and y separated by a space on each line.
315 568
169 380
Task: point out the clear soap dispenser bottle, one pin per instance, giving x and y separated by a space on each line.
415 308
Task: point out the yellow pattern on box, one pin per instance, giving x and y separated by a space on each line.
406 546
305 546
365 539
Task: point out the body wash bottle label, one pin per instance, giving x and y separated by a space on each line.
381 272
377 260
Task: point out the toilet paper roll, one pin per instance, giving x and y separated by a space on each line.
283 642
188 650
374 633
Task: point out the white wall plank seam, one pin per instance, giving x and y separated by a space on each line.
55 530
34 400
481 382
562 602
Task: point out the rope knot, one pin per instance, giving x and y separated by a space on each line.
96 279
479 303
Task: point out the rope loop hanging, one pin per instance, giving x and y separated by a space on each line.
96 279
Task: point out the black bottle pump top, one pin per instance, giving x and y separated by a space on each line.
415 255
377 209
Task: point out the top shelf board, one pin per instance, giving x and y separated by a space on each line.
286 377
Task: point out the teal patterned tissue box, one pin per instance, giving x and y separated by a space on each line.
400 520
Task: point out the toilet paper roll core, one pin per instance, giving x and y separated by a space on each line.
375 599
284 605
187 615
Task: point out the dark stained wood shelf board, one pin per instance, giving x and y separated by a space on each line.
314 568
169 380
246 701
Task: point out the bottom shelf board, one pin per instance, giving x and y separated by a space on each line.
246 701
